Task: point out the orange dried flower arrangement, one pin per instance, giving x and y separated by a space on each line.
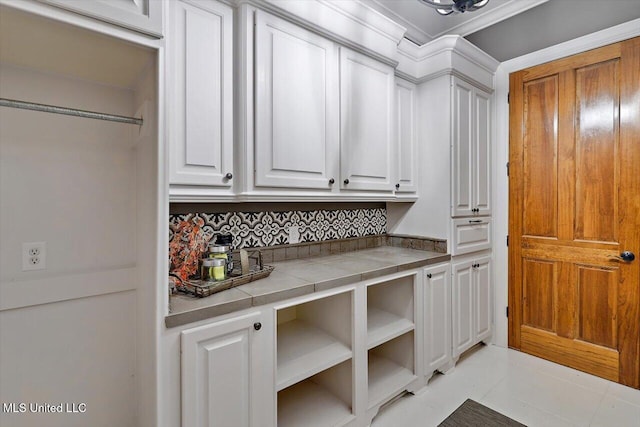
186 247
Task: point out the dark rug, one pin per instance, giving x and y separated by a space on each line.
473 414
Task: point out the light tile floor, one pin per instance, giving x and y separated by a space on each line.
530 390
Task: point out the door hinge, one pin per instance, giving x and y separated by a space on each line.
507 168
508 97
507 241
507 310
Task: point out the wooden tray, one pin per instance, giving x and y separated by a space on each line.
201 288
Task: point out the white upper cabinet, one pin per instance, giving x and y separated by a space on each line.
366 137
296 115
144 16
406 148
200 94
470 185
481 149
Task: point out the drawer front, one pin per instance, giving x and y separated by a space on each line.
471 235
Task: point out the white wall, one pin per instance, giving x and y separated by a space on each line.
69 332
501 150
429 216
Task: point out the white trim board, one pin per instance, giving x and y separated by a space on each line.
500 155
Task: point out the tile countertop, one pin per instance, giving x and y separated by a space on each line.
300 277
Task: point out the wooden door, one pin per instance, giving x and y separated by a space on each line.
574 208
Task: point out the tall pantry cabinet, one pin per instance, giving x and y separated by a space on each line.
454 129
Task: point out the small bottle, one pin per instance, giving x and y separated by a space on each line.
226 239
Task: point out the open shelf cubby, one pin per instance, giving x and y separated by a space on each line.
325 399
390 310
312 337
391 367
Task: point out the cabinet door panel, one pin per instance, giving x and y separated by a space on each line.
296 106
407 156
366 105
482 150
141 15
463 307
437 309
219 382
483 299
201 136
462 146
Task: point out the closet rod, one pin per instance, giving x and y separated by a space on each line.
12 103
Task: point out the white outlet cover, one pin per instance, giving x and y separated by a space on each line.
34 256
294 235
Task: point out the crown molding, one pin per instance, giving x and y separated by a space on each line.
349 22
449 54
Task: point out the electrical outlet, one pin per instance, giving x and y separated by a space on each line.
294 234
34 256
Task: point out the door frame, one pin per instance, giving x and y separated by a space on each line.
500 153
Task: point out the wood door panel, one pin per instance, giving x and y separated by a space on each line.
598 302
574 198
540 170
538 294
580 355
597 100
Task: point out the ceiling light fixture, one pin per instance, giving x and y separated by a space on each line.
455 6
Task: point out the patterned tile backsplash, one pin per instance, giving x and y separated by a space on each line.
270 228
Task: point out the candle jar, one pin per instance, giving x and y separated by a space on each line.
213 269
222 252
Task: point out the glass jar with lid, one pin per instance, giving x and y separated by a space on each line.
213 269
217 251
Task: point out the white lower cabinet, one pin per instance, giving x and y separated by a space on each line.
315 361
225 374
331 358
472 302
437 319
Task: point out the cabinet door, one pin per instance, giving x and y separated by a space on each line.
296 140
407 155
462 150
222 374
463 306
200 96
437 312
483 317
366 112
141 15
482 153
